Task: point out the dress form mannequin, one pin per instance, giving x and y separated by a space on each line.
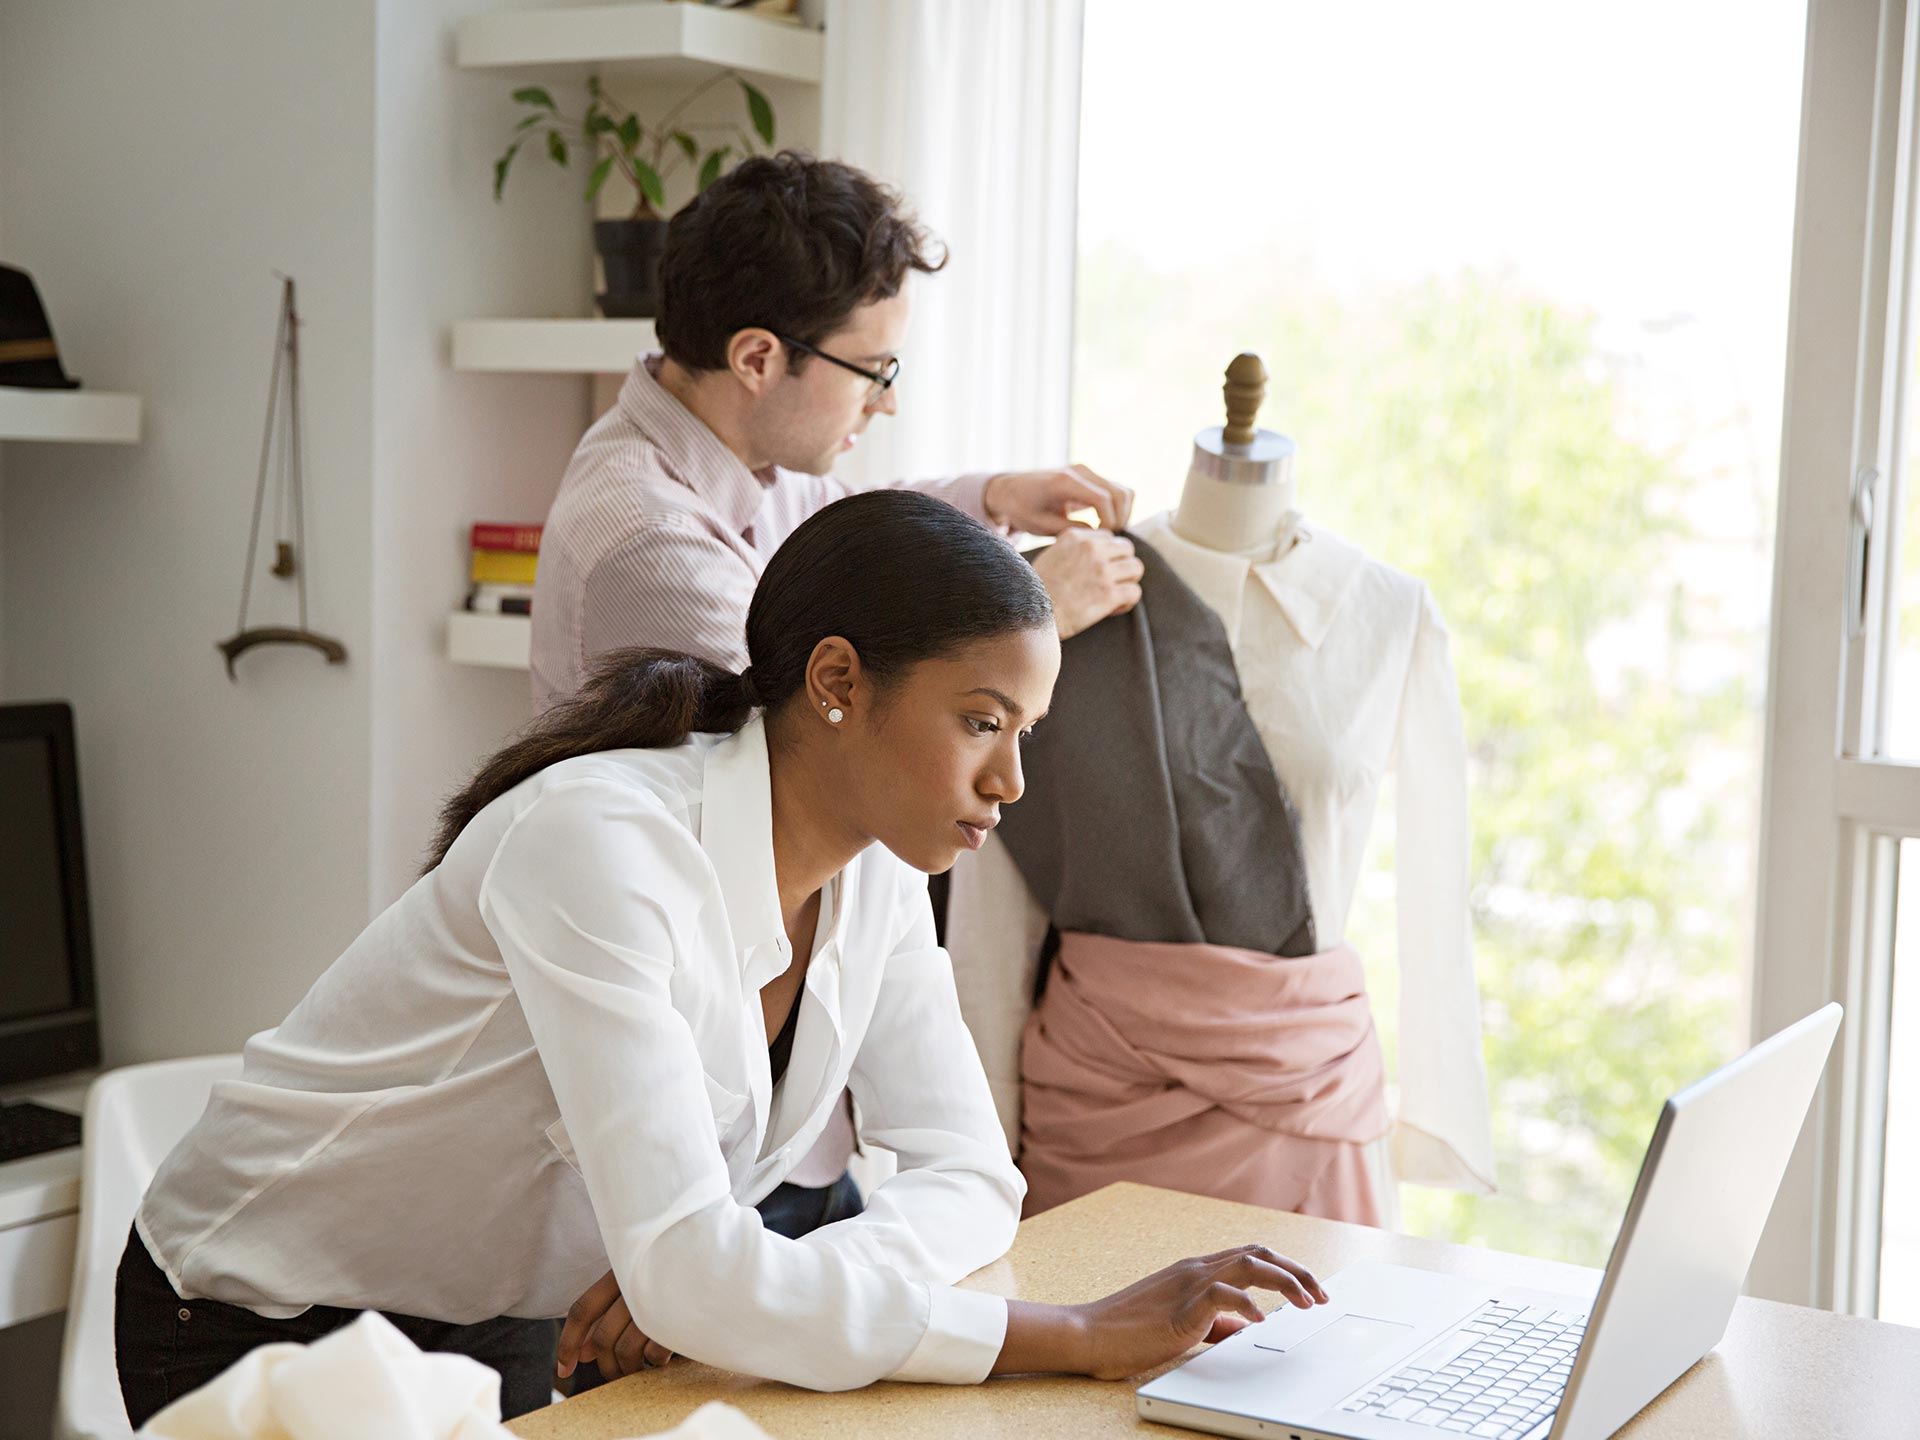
1344 662
1239 492
1345 668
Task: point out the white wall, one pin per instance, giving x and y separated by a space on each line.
452 448
240 835
160 163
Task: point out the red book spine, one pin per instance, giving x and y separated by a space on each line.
522 538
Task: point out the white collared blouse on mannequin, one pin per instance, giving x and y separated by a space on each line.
1345 668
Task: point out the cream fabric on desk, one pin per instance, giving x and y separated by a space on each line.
368 1380
1343 662
548 1058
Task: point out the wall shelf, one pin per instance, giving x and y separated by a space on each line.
83 416
501 641
663 39
552 347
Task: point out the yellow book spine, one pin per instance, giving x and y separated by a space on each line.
503 567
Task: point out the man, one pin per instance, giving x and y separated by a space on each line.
784 310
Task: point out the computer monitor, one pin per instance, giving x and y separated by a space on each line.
48 1025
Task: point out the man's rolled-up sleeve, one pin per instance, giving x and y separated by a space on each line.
963 492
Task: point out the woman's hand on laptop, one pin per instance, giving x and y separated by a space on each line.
1155 1320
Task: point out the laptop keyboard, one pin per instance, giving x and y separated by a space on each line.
30 1129
1497 1376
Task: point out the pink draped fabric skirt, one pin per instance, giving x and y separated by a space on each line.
1203 1068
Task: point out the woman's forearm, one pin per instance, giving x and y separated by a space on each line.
1043 1339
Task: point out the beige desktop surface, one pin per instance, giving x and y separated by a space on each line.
1782 1370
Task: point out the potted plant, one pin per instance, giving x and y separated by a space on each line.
645 157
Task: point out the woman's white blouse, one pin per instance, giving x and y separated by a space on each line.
547 1059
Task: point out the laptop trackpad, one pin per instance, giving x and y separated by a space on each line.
1350 1340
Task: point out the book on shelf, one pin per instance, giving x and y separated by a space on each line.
497 535
502 567
501 599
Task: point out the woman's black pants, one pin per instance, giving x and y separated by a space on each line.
166 1345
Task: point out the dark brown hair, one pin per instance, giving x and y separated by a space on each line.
785 242
900 576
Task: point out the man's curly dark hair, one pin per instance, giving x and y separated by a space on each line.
787 243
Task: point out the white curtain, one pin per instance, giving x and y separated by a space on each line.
972 111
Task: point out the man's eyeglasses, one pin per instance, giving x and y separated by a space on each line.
882 378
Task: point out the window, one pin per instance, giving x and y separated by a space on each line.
1519 274
1842 791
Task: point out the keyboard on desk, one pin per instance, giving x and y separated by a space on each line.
30 1129
1497 1376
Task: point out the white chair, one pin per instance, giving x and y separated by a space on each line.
134 1117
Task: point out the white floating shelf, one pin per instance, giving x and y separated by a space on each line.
96 416
554 347
502 641
663 38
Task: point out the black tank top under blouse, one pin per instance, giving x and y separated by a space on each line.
780 1050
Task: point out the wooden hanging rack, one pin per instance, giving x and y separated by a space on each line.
289 560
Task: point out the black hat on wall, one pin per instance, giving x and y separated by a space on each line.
27 354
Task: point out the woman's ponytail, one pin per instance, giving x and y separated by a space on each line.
901 577
635 699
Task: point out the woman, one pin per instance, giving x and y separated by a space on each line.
655 941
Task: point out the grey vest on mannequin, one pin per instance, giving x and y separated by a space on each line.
1151 810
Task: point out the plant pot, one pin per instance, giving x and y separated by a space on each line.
630 258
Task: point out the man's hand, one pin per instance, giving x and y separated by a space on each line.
1039 501
1090 575
600 1329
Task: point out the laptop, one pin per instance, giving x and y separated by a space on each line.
1404 1354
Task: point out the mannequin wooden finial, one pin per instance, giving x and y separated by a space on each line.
1246 387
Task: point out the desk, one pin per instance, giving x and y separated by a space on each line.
1782 1369
40 1213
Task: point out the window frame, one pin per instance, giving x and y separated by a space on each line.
1833 808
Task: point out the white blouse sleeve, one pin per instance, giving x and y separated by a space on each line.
954 1203
1443 1136
589 896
